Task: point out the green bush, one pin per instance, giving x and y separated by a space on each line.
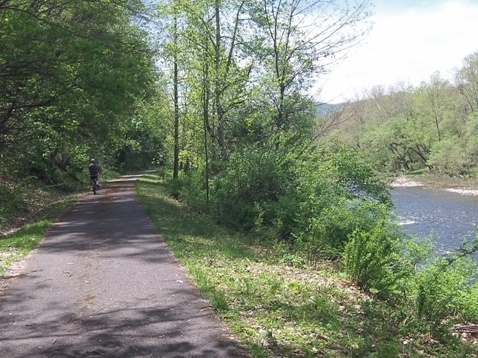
254 191
373 261
467 301
10 203
309 199
449 156
190 187
444 290
329 231
336 200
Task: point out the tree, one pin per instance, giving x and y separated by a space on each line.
436 105
175 99
244 71
72 75
205 43
296 42
467 82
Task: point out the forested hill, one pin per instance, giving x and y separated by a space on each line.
327 109
432 127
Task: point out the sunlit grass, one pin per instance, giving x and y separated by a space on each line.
15 247
43 210
276 303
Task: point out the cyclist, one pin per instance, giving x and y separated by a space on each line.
94 170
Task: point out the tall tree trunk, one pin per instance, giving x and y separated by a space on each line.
206 153
221 137
176 103
206 128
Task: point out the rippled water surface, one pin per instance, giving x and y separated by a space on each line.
451 217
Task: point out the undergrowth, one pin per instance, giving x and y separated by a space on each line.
281 305
26 212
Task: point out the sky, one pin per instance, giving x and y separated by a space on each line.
410 40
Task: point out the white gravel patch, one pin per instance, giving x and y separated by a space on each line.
405 183
463 191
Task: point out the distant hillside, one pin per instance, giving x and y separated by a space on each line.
325 109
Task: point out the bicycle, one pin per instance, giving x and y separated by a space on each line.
94 184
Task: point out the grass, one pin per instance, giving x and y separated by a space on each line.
26 213
15 247
276 303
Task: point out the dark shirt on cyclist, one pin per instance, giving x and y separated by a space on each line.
94 170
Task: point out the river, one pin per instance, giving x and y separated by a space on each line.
449 216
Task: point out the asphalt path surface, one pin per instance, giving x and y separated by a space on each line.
104 284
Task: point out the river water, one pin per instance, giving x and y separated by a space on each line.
450 217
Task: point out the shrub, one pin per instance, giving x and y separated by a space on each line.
373 261
254 191
449 157
190 187
312 200
444 290
330 230
336 200
10 203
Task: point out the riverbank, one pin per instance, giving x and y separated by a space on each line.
463 186
280 304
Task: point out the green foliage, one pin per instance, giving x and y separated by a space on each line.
329 231
357 176
466 302
250 193
430 127
446 288
337 194
10 203
278 306
450 157
312 200
144 142
190 187
73 75
373 261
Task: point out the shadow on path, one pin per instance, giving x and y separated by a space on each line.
104 284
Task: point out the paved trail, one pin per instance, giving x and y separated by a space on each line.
104 284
